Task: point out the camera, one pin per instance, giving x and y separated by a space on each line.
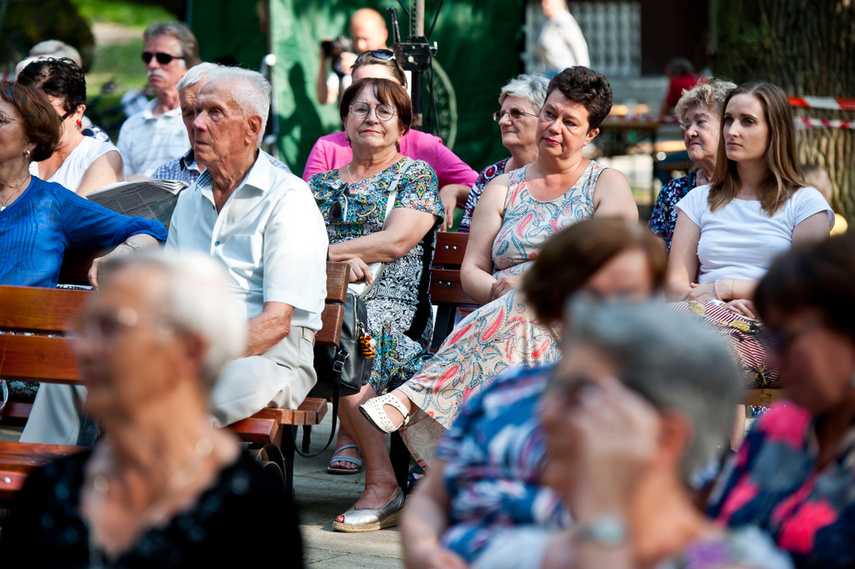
333 48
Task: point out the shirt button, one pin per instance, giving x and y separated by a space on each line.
217 243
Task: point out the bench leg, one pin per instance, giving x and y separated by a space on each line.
307 439
288 451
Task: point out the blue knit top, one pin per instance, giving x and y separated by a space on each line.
37 228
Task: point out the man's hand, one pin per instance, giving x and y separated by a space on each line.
128 247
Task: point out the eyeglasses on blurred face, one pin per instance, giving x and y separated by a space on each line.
515 114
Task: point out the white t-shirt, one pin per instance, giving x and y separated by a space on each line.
740 241
147 141
74 167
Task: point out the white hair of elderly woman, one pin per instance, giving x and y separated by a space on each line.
198 300
673 360
531 87
250 89
711 94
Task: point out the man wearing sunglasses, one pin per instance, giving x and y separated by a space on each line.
156 134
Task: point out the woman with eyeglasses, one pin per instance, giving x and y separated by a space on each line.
795 474
354 200
518 212
80 163
333 151
520 102
39 220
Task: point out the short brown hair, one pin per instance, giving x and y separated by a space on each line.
819 276
41 123
386 91
571 257
585 87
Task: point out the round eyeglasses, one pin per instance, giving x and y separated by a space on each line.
515 114
384 112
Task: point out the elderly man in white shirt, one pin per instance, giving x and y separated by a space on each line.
156 134
263 224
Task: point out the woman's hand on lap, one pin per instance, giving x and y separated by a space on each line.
504 285
701 292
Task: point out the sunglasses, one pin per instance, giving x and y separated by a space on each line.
338 210
515 114
384 54
162 58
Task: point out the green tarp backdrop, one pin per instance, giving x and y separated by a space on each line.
478 52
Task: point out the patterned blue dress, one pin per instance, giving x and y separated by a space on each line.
399 311
664 214
494 453
487 174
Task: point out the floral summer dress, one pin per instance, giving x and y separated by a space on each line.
503 332
399 311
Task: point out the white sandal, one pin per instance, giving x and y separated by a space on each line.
373 411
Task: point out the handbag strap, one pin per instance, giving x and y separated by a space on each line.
390 205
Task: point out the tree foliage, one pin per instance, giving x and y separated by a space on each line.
27 23
806 47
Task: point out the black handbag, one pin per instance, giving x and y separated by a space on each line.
343 370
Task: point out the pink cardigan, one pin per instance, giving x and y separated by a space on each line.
333 151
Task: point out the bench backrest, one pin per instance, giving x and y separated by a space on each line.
446 290
43 313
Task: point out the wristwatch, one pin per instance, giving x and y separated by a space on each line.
606 530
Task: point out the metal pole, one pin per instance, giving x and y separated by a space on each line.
418 31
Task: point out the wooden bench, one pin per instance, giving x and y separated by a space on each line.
45 356
446 290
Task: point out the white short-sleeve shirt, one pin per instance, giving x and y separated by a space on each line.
147 141
269 235
740 241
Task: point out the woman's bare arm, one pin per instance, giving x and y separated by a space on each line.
476 271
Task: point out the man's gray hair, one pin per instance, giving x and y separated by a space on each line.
196 74
186 39
249 89
711 94
672 360
197 300
531 87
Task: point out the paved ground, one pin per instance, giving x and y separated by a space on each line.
322 497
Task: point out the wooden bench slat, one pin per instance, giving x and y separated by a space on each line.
37 357
450 248
445 288
256 430
311 412
11 483
25 457
55 307
332 319
338 275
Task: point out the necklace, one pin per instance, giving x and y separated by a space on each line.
155 513
4 203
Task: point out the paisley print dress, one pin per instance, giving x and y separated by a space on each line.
399 313
503 332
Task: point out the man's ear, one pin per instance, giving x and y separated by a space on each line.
253 129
